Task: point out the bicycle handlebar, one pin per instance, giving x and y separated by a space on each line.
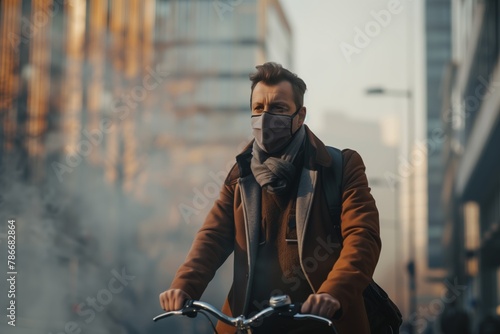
192 307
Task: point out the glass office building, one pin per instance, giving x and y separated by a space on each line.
438 54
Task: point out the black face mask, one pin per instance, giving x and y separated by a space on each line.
273 132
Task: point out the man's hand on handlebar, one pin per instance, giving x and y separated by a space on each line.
173 299
321 304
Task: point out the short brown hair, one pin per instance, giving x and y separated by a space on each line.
272 73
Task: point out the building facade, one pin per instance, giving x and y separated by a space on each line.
471 117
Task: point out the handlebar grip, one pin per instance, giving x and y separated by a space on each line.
295 309
188 309
289 310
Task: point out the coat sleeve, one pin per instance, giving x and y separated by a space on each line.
353 270
213 243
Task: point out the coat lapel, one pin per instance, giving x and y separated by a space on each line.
251 199
305 194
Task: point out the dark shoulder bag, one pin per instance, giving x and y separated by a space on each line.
383 315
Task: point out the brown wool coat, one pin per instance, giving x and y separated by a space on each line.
232 226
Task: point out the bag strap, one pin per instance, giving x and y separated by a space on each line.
332 185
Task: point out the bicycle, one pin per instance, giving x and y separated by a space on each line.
279 305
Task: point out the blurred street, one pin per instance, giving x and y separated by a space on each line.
120 119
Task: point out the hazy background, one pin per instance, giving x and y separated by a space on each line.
120 120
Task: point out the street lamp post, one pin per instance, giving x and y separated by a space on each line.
411 266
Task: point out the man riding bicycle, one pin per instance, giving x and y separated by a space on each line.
273 214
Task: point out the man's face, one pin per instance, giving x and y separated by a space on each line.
277 99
